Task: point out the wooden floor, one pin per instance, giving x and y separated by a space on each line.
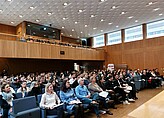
138 109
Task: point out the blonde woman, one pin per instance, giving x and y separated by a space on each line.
51 102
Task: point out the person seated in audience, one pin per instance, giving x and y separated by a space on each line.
101 83
85 97
34 89
73 80
23 89
16 83
95 88
116 87
51 102
125 82
73 104
55 86
6 99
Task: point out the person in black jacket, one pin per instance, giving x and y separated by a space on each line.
6 99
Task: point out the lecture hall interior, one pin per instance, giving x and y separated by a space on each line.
97 58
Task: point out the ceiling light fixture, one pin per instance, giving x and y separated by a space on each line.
20 16
80 10
70 35
76 22
64 18
136 21
95 28
63 27
130 17
81 32
110 23
89 34
49 13
1 10
86 25
156 9
123 12
160 14
37 20
61 33
117 26
101 30
102 20
92 16
9 0
32 7
73 30
65 4
12 22
113 7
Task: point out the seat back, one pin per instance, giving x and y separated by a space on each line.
24 104
18 95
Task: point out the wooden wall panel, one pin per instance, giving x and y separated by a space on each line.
55 52
147 53
45 51
66 52
34 50
72 53
7 48
8 30
79 55
21 49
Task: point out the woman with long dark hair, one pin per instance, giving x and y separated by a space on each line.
73 104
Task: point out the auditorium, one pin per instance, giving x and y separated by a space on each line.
81 58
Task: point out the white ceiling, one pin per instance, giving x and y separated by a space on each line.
138 9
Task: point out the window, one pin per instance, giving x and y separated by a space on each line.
114 38
155 29
98 41
133 34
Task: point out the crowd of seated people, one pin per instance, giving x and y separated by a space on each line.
76 90
46 41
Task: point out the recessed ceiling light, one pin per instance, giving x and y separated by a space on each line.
49 13
65 4
62 33
102 20
9 0
62 27
32 7
117 26
123 12
12 22
130 17
28 25
76 22
92 16
81 32
73 30
95 28
89 34
160 14
78 37
44 35
80 10
70 35
101 30
37 20
64 18
156 9
20 16
110 23
136 21
86 25
113 7
150 3
1 10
